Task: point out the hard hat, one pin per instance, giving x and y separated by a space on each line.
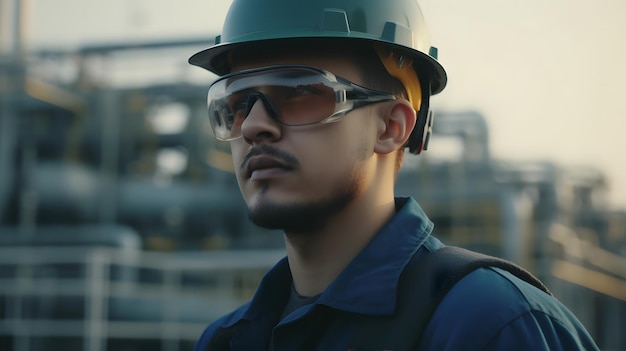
395 28
395 24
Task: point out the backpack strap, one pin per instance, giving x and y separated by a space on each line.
423 284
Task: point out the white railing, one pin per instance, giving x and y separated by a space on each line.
98 294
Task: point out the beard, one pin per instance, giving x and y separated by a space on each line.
301 217
310 216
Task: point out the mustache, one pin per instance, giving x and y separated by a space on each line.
273 152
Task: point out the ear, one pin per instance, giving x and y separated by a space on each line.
399 121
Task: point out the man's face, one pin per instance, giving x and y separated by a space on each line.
296 178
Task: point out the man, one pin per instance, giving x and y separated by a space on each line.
318 100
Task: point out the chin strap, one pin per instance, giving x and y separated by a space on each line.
418 91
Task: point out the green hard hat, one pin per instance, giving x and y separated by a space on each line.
395 24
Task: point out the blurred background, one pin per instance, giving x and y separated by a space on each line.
121 224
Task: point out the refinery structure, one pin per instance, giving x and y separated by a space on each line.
122 227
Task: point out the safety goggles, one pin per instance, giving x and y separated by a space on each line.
292 96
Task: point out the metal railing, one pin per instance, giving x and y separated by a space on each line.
94 295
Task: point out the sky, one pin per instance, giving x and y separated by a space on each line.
547 75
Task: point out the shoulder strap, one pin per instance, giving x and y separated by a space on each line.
423 284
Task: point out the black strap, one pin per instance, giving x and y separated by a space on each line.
423 284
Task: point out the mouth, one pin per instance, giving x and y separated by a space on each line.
263 166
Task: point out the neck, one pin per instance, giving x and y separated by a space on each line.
317 258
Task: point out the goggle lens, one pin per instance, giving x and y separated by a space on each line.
291 95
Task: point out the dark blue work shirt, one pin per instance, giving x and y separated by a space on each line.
489 309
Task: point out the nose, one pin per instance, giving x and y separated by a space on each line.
259 125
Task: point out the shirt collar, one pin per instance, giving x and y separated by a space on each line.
368 284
